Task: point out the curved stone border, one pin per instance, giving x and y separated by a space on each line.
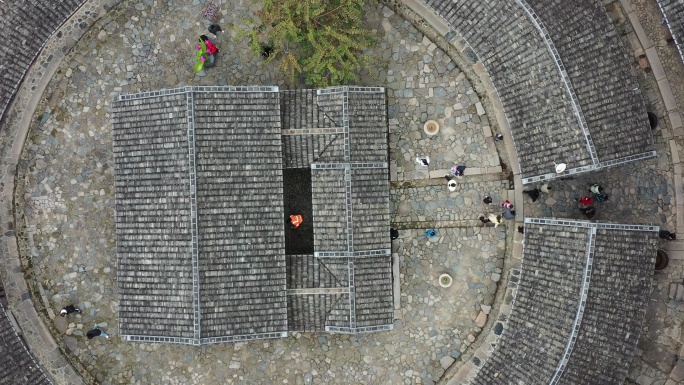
16 125
449 40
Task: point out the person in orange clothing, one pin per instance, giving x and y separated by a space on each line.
295 220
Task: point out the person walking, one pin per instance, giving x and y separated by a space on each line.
595 189
588 211
667 235
508 213
423 160
545 188
586 201
214 29
507 204
487 200
495 219
534 194
96 332
211 51
69 309
457 171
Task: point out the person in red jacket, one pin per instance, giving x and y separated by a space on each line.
211 50
295 220
586 201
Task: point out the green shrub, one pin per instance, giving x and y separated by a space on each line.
323 41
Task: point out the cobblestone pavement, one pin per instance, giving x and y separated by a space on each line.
435 203
65 199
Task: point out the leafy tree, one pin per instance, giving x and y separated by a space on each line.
323 40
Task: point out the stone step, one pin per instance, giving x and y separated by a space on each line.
671 246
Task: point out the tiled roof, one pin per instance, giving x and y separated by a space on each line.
615 308
542 123
200 213
580 304
17 364
545 306
309 308
190 166
604 86
329 210
301 150
153 235
28 24
367 127
673 10
370 208
239 175
561 107
373 290
299 111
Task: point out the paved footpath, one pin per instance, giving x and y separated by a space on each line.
65 199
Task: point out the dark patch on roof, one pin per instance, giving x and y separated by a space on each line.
297 200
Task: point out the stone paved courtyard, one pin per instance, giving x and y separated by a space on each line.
66 190
65 206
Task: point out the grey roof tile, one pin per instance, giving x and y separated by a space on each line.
238 165
370 208
309 313
368 127
299 110
241 248
615 308
544 310
674 12
543 124
152 216
31 23
547 302
373 291
604 85
17 365
329 210
300 151
307 271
